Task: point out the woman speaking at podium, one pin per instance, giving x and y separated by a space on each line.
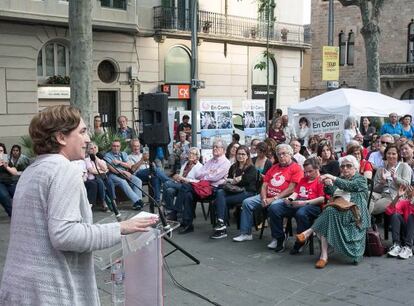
49 259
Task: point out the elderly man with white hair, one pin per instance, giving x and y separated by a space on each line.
392 127
345 219
377 158
278 183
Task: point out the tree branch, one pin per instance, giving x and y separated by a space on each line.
349 2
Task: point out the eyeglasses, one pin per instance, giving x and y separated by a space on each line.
282 153
348 166
217 147
385 143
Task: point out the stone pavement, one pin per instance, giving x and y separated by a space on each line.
248 274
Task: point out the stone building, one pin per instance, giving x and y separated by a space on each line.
144 46
396 49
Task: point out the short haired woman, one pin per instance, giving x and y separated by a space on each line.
365 167
51 227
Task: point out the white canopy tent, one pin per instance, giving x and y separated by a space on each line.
352 102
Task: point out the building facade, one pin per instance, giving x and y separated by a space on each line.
145 46
396 47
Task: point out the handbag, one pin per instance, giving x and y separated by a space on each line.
341 204
374 246
202 189
230 188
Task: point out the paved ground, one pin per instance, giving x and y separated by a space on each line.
249 274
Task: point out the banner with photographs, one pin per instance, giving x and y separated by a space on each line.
215 123
254 120
330 127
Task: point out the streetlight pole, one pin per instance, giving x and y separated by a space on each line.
194 71
331 84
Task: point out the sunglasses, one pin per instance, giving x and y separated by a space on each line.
385 143
348 166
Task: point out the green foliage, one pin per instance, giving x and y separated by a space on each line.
104 141
263 64
58 79
27 144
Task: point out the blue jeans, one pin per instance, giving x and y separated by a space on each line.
170 190
6 196
304 217
248 207
225 199
157 178
131 191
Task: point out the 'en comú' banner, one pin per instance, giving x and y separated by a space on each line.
330 63
330 127
215 122
254 120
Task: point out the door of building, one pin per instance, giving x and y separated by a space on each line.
260 92
107 107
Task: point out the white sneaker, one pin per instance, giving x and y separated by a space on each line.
243 237
272 245
394 250
405 253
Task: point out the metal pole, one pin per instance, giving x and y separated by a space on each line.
267 67
194 71
331 24
330 33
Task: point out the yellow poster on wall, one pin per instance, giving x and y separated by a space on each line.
330 63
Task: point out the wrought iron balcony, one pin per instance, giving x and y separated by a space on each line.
397 70
172 19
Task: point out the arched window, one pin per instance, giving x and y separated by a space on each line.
178 66
410 49
408 94
342 48
53 59
350 49
260 75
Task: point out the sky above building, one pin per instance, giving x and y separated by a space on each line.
307 12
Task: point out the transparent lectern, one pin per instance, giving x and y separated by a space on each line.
141 256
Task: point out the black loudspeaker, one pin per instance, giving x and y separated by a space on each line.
153 113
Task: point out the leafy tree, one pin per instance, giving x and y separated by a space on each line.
370 13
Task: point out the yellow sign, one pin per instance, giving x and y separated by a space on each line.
330 63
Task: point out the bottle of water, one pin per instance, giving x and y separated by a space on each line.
118 291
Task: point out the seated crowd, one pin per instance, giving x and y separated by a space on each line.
288 175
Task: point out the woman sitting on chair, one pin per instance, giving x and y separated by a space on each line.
342 226
241 184
388 179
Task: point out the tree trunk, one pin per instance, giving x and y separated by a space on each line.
80 28
371 32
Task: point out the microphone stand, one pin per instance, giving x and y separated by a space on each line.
111 198
164 223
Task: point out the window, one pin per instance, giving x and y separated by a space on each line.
342 48
260 76
408 95
410 49
346 48
53 59
178 66
350 49
107 71
117 4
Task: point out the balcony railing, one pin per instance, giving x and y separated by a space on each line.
397 69
220 25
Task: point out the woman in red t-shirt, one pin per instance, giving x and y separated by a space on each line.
402 223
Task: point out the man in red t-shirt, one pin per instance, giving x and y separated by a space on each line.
279 182
304 204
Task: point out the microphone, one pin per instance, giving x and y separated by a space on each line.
114 206
164 223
